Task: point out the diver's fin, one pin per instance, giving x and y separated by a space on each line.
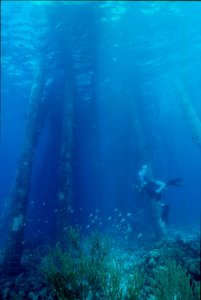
174 182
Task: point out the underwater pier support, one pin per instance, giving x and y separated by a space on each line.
21 189
65 177
65 193
190 115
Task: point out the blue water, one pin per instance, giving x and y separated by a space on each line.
127 57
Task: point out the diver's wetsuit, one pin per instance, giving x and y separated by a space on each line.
149 188
152 190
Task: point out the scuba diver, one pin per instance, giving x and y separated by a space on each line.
152 190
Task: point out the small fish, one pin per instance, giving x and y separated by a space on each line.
70 210
116 209
120 215
88 226
128 214
123 220
100 223
129 229
109 218
91 215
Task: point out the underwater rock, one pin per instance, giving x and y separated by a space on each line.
154 254
152 263
32 296
194 270
27 286
122 260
